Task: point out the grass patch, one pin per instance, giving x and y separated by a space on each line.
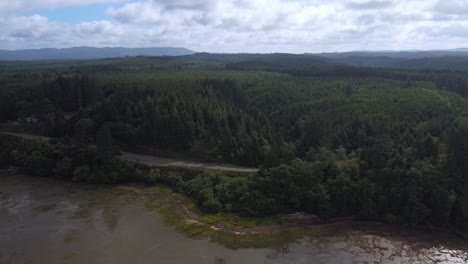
233 220
273 239
176 219
225 219
277 239
128 194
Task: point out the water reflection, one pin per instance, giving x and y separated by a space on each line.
45 221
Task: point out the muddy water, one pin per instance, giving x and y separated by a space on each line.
47 221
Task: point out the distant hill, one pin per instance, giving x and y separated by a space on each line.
436 63
82 53
406 54
279 61
443 60
456 59
460 49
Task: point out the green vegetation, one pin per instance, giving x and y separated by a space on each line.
332 140
227 219
274 239
65 160
205 229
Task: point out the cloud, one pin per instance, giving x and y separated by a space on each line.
139 12
26 27
244 25
7 6
453 7
186 4
374 4
95 27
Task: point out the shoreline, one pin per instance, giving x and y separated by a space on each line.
193 215
273 231
234 231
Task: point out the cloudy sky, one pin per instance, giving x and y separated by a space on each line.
236 25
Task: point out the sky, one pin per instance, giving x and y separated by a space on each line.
232 26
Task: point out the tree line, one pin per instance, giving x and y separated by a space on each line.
378 144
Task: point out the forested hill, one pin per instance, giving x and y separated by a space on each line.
454 60
82 53
333 140
436 60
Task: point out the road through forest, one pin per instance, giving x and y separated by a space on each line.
156 160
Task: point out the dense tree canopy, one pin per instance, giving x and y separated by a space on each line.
378 144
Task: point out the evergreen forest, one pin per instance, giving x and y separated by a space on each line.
335 140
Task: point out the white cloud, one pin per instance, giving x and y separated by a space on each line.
249 25
8 6
370 4
455 7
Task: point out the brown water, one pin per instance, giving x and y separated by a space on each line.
47 221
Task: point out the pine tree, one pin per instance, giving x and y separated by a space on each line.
105 145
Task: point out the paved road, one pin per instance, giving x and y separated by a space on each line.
157 161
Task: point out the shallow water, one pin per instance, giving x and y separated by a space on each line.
47 221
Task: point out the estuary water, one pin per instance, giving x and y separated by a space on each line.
48 221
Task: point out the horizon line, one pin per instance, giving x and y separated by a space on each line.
459 49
